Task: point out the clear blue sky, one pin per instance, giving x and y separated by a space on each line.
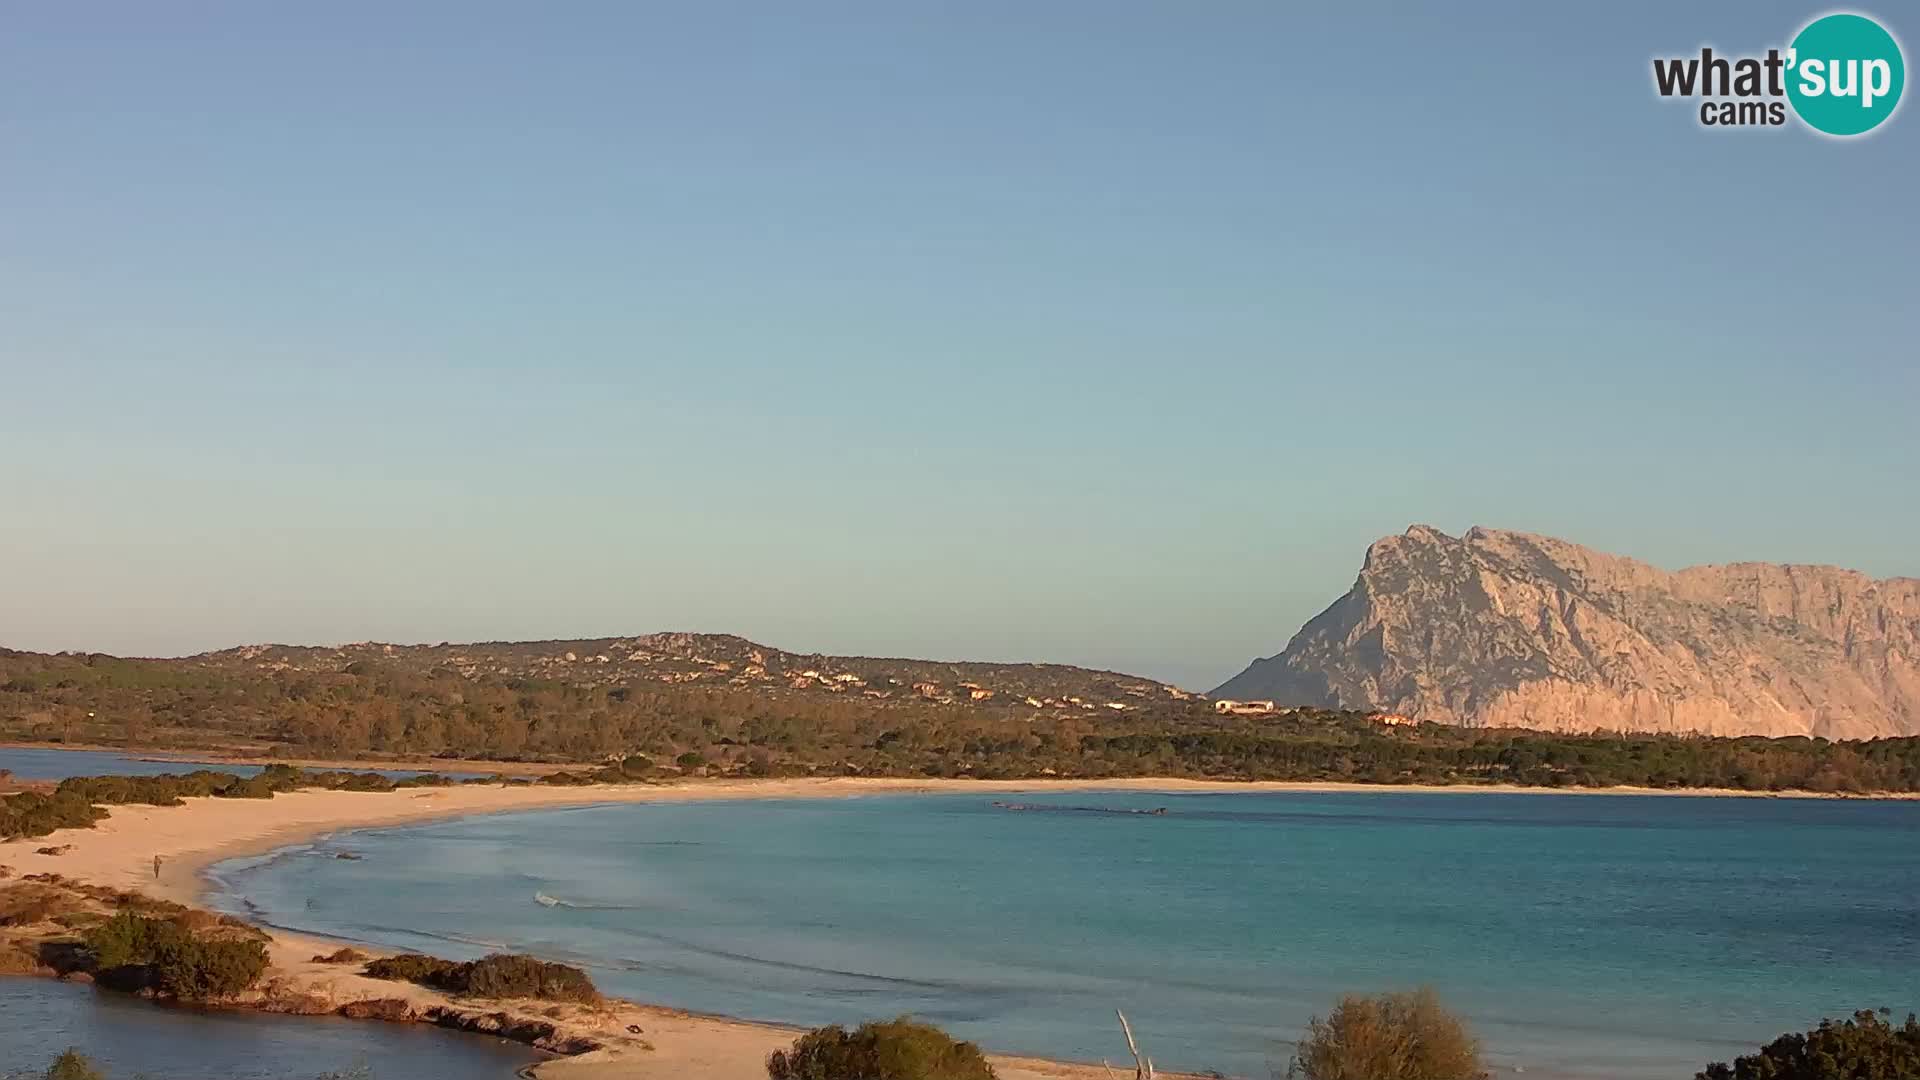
1098 332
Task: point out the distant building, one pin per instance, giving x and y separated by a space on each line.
1228 706
1394 719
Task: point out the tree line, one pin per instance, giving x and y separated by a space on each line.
373 710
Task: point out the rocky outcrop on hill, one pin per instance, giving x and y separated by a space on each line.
1498 628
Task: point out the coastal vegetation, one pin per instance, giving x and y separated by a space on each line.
319 704
125 940
1404 1036
77 802
1866 1046
900 1049
171 957
73 1065
497 975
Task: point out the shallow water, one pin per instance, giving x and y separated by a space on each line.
32 763
128 1037
1584 936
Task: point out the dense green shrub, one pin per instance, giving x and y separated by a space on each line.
128 939
1865 1047
197 968
899 1049
33 814
509 975
497 975
410 967
1387 1037
166 955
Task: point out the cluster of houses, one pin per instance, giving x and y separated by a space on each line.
1230 707
677 658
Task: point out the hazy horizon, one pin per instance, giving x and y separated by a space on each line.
1103 334
1202 684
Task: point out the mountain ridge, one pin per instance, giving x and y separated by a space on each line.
1501 628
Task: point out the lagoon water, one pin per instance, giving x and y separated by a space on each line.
1584 936
129 1037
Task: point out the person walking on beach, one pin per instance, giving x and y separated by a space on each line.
156 868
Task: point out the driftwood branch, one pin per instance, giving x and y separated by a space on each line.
1142 1066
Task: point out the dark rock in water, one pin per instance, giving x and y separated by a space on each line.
346 855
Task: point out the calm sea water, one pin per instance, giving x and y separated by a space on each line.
1584 936
42 764
128 1037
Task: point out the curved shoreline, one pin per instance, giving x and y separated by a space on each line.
120 850
188 840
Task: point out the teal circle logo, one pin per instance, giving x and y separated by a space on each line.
1844 74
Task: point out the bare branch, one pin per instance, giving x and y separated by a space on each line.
1142 1066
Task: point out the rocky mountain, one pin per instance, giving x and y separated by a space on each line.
1498 628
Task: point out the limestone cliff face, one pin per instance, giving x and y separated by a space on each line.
1507 629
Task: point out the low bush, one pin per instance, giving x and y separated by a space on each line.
509 975
162 953
498 975
31 813
73 1065
346 955
410 967
128 939
1865 1047
1388 1037
566 779
198 968
899 1049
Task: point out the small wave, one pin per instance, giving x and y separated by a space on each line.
1158 811
547 900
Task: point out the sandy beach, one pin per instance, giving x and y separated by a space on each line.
120 852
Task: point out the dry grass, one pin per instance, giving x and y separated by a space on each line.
1388 1037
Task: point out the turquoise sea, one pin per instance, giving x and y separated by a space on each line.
1588 936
